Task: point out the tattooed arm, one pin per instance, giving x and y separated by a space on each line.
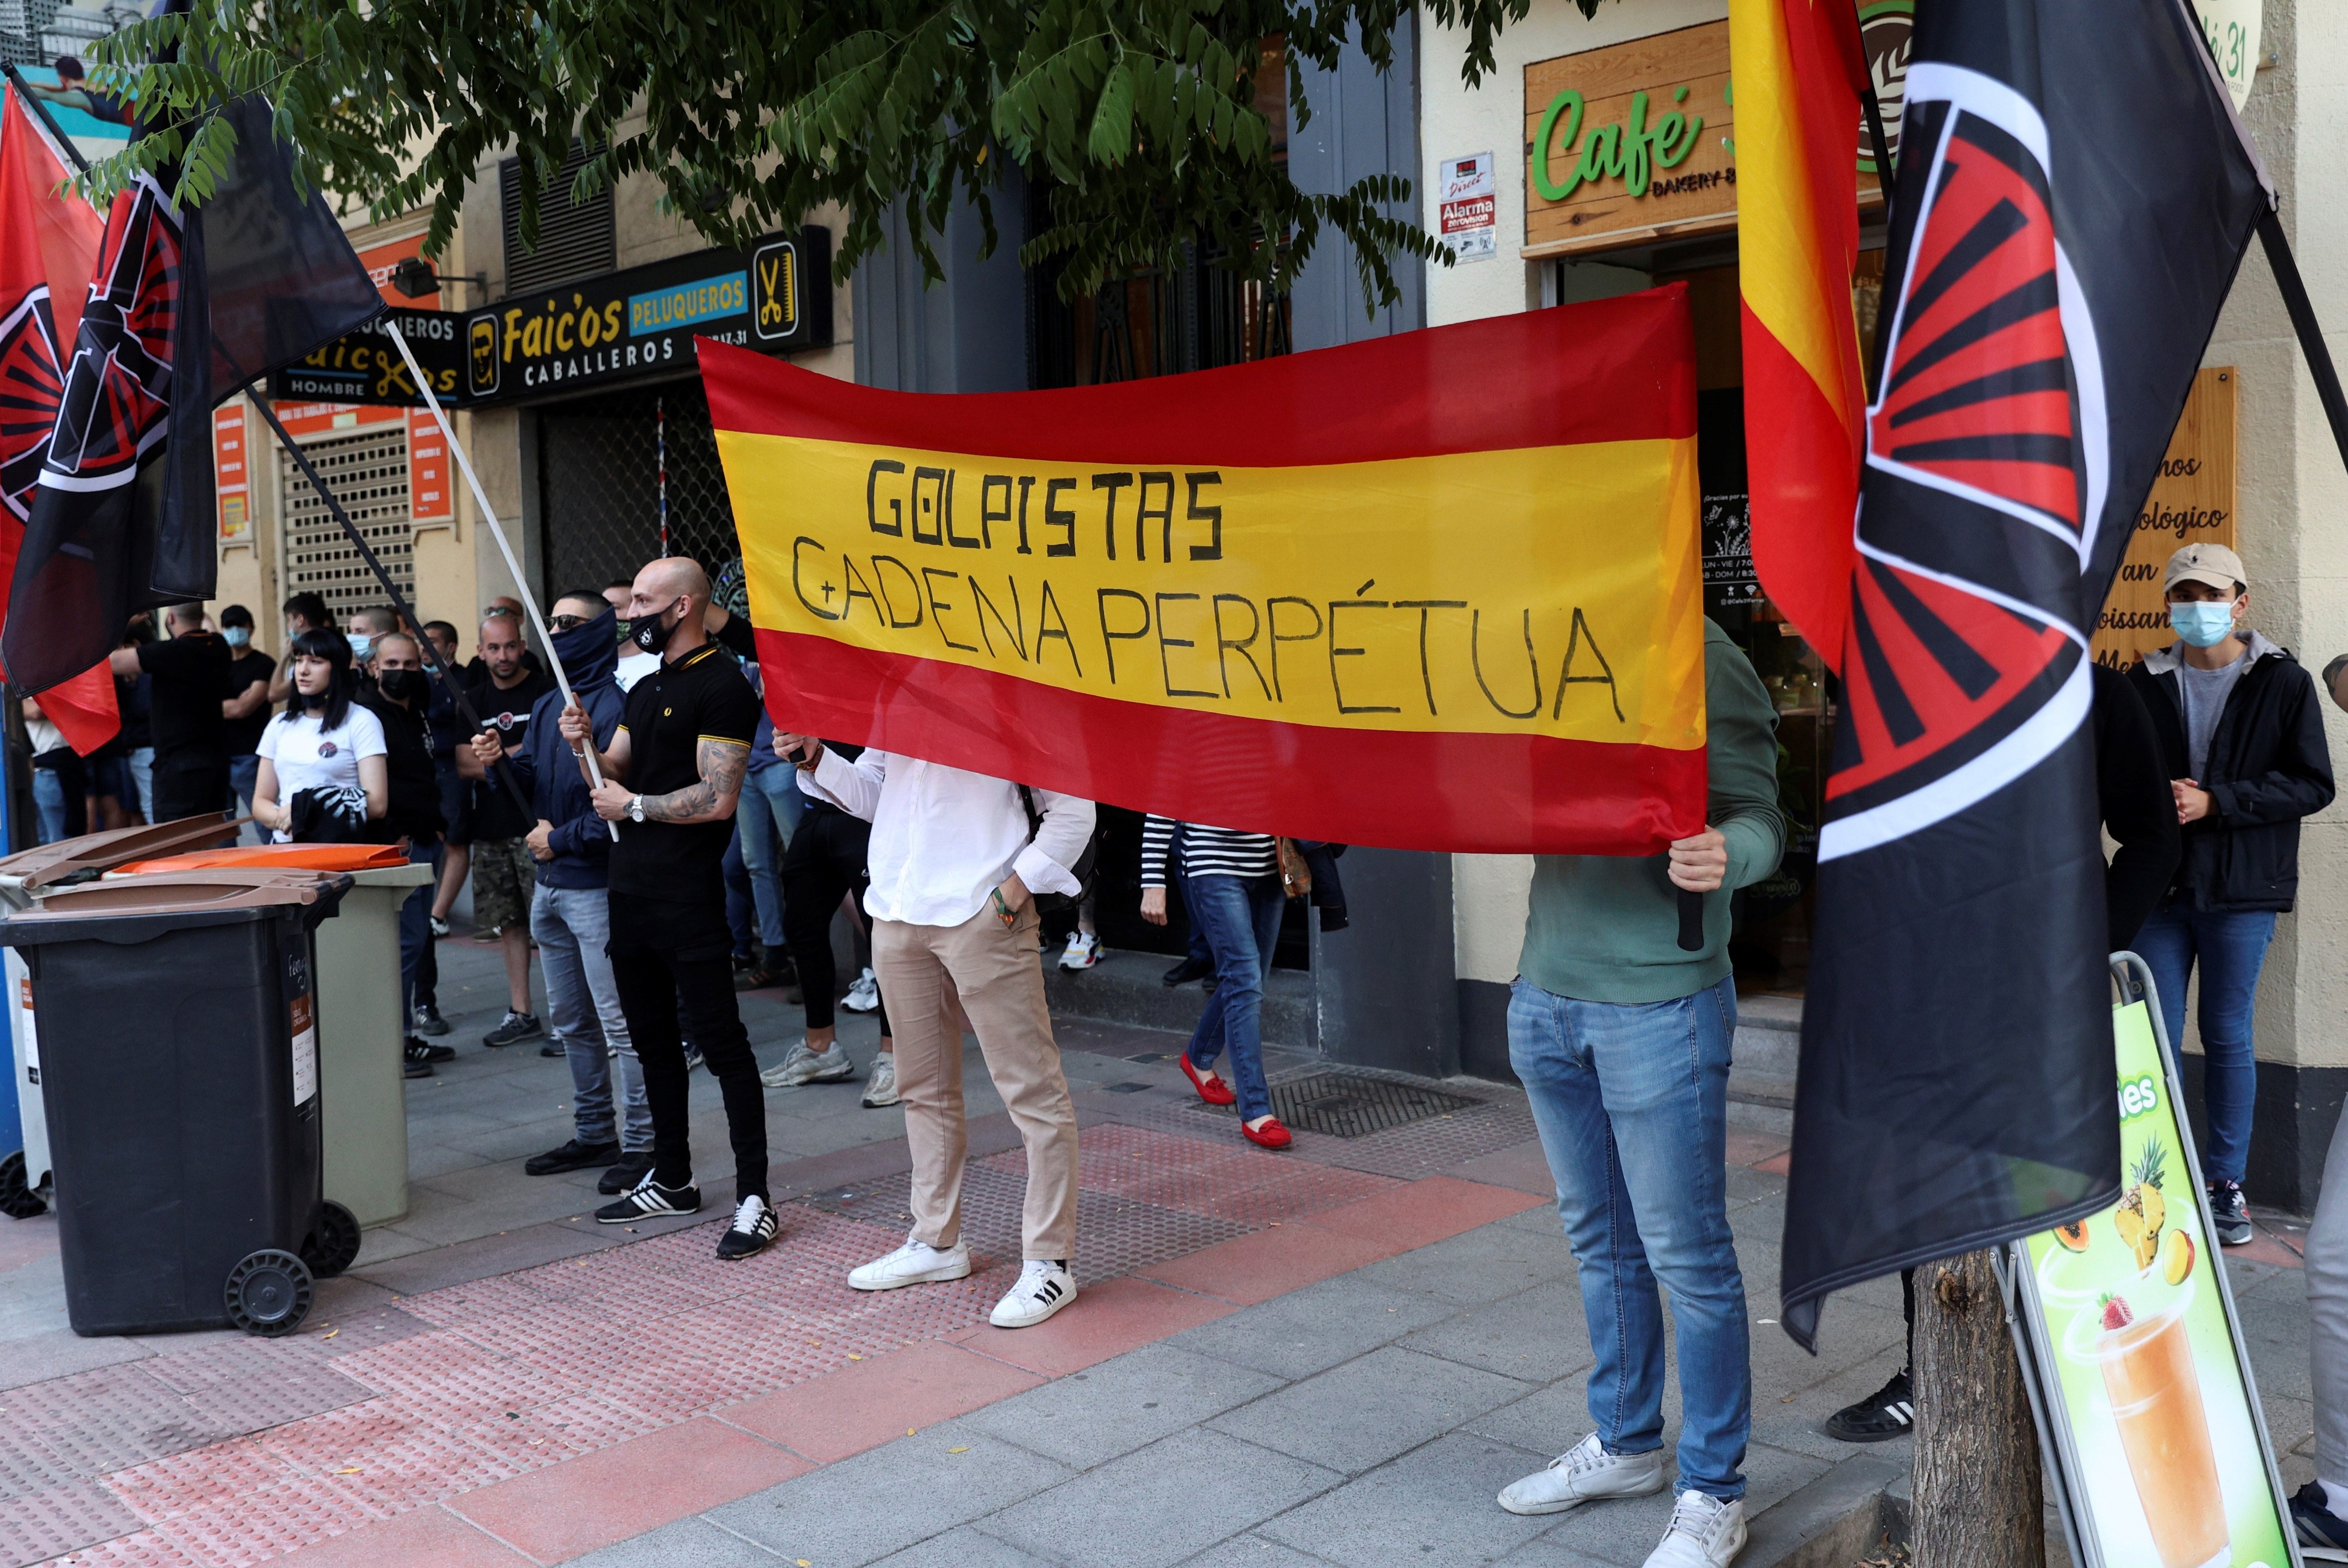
721 763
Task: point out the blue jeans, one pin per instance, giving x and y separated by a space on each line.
768 814
141 762
1632 1107
572 927
49 804
242 773
2232 947
1240 917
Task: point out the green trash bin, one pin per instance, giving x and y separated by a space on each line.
360 1032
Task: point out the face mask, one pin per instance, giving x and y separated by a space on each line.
582 641
403 686
236 636
361 645
2204 623
647 632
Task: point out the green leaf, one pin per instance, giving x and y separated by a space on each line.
1112 132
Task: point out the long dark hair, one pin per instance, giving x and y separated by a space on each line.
336 649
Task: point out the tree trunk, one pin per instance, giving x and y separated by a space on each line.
1977 1494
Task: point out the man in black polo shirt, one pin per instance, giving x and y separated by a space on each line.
189 672
671 779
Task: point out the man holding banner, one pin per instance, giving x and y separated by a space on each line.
1622 1041
955 867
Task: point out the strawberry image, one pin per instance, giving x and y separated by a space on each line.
2116 1315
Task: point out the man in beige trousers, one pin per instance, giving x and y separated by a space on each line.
955 869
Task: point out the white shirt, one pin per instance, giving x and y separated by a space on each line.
942 839
635 665
309 757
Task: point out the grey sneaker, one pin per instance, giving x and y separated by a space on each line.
1705 1532
880 1088
2230 1213
864 996
1585 1473
805 1066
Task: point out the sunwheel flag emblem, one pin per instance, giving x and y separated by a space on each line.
1968 658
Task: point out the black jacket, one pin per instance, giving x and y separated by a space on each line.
2140 811
415 806
2268 768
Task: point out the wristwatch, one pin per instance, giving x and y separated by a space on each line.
635 808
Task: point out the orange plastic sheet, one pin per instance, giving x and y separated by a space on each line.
279 857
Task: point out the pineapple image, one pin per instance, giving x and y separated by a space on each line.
2143 1210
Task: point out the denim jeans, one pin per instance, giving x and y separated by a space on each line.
768 815
141 763
572 927
243 772
1632 1107
1241 918
2232 947
49 804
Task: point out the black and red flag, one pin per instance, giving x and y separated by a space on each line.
2074 196
187 305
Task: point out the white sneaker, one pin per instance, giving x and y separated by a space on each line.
1083 952
1042 1288
805 1066
863 996
915 1262
1706 1532
880 1088
1585 1473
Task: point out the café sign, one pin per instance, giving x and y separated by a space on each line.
1637 142
365 367
774 297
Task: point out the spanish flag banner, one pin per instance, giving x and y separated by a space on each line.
1438 590
1800 72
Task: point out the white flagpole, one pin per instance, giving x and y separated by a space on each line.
490 515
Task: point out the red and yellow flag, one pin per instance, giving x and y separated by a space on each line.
1799 68
1438 590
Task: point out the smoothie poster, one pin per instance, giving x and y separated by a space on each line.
2156 1416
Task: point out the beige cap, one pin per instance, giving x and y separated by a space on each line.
2211 563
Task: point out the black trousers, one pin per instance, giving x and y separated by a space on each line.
183 788
666 955
824 864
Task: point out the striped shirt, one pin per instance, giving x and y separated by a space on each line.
1206 851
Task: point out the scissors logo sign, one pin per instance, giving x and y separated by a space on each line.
775 280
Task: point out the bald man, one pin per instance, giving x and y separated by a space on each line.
671 779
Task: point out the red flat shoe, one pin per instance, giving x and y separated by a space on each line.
1214 1090
1271 1135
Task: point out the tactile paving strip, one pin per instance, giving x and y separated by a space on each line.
56 1519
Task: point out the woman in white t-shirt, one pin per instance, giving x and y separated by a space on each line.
324 744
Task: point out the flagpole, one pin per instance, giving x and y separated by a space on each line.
400 606
25 96
2303 320
490 515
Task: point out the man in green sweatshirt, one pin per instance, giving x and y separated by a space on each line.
1622 1041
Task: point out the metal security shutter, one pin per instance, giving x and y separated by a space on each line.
367 471
599 482
573 241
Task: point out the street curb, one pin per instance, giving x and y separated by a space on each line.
1832 1523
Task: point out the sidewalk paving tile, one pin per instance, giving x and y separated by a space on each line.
1363 1413
1433 1506
690 1542
883 1500
1535 1335
1253 1550
615 1493
1522 1166
1482 1265
872 1402
1421 1212
964 1547
1269 1263
422 1537
1088 1418
1159 1504
1312 1328
1108 1319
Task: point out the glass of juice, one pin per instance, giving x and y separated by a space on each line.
2155 1396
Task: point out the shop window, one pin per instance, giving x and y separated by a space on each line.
599 478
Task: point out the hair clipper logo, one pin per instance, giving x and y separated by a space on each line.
1965 665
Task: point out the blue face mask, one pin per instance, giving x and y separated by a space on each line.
236 636
361 645
2204 623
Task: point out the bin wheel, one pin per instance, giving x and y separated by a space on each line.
17 1201
334 1246
269 1293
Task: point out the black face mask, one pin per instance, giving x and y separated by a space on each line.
404 685
647 632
